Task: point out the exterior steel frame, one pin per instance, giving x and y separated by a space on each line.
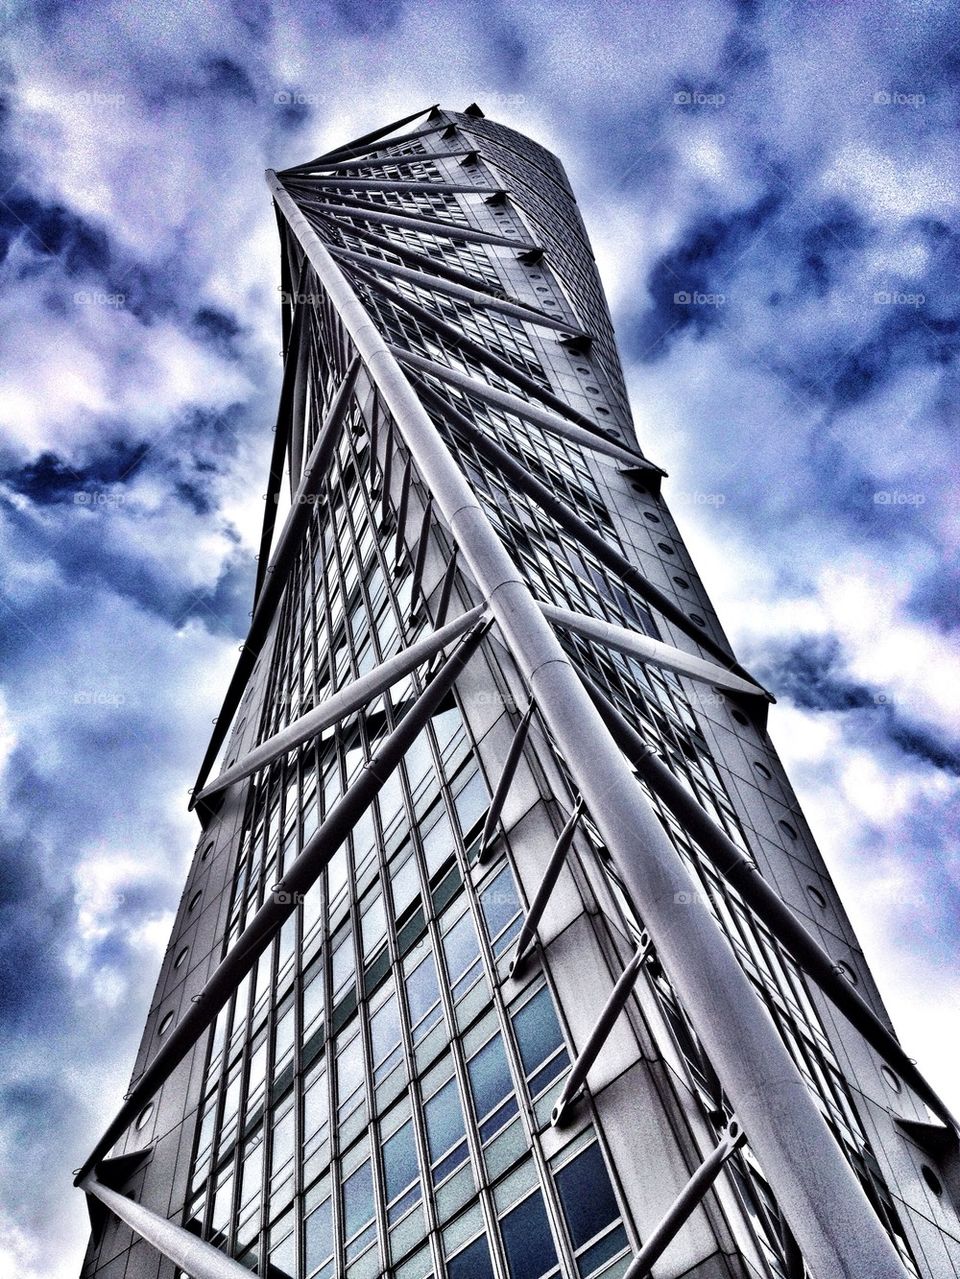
836 1227
286 895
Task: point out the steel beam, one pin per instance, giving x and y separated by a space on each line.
298 406
616 1002
549 422
370 149
195 1257
437 266
838 1230
398 184
281 433
474 297
401 161
286 895
580 531
503 784
374 136
459 341
740 872
686 1202
276 574
650 650
342 703
531 921
429 226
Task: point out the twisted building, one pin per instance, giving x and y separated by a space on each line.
506 950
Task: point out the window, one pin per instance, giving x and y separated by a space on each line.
318 1232
350 1078
446 1135
590 1210
342 966
501 911
462 953
438 844
195 901
385 1039
471 803
541 1045
401 1172
358 1223
283 1248
405 883
181 956
423 998
492 1087
472 1263
527 1240
373 926
165 1023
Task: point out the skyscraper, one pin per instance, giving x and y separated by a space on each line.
506 950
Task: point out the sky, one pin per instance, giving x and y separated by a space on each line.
771 192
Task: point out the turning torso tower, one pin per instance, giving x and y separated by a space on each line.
506 950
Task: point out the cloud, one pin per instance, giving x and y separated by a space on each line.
776 157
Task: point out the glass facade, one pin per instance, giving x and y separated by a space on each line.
375 1096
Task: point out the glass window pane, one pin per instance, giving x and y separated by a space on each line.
342 965
385 1039
357 1200
400 1166
527 1239
472 1263
471 803
283 1249
350 1076
423 995
438 844
337 873
489 1073
587 1197
444 1119
462 950
500 907
537 1031
282 1141
373 926
405 881
319 1236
